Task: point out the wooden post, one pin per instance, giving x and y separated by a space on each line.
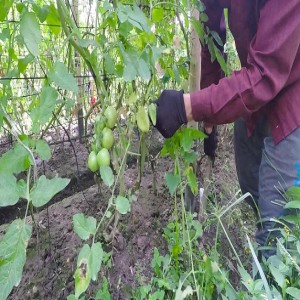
77 63
194 85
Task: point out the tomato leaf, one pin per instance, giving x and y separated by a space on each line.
293 193
82 274
157 14
45 189
13 255
292 205
192 180
107 175
152 113
294 292
30 31
122 205
103 293
84 226
8 190
5 7
60 75
53 19
143 70
23 63
43 150
15 160
42 111
95 260
172 182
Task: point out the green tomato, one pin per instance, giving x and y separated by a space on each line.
111 116
103 157
142 119
92 161
107 138
99 125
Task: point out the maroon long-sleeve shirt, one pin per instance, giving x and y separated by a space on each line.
267 36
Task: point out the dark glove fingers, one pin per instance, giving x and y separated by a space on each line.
170 112
210 143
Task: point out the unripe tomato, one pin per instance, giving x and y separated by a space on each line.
142 120
92 161
103 157
111 116
107 138
99 125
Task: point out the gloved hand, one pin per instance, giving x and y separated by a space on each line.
170 112
210 143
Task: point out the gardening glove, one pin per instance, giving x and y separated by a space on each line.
210 143
170 112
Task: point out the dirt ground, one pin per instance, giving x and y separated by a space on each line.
53 248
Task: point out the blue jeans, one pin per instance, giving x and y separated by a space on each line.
266 171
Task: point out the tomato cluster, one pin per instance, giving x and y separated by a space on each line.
103 139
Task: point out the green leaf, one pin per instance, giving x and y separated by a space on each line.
292 204
82 274
60 75
294 292
5 7
198 27
41 11
220 59
217 38
45 189
95 260
186 141
143 70
41 113
122 205
190 157
107 175
103 293
53 20
30 31
84 226
152 113
278 276
109 64
23 63
203 17
172 182
137 15
13 255
192 180
131 99
22 189
15 160
157 14
43 150
293 193
129 72
8 190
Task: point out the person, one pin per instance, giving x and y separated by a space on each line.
262 99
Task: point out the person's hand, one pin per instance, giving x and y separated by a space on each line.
170 112
211 142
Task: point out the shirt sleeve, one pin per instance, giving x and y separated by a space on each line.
272 55
211 72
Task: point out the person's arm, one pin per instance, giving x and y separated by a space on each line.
271 57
